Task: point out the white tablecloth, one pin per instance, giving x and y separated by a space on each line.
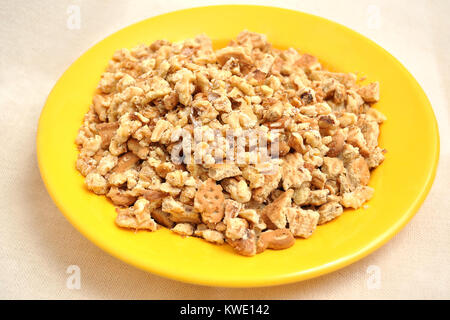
38 244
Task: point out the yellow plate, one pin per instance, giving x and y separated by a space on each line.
401 183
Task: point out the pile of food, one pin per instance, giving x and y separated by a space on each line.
156 141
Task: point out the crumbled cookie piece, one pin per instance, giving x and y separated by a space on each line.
329 211
170 205
231 209
126 218
183 229
213 236
318 197
236 228
302 223
332 167
293 172
274 213
370 93
358 172
357 198
278 239
163 218
221 171
187 214
336 146
209 201
106 132
152 195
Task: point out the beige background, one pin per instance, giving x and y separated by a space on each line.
38 244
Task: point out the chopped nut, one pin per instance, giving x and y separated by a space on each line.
233 52
301 195
106 163
158 131
296 142
238 190
245 246
96 183
318 179
120 198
